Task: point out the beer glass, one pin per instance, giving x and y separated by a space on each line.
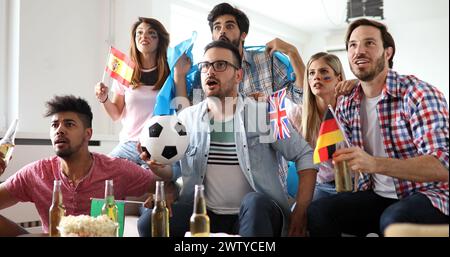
342 174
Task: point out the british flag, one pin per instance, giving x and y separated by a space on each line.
278 115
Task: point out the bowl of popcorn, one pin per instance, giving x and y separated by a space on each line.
87 226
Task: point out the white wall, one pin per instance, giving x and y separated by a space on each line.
62 50
423 51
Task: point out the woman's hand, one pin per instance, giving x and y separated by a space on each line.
182 67
345 87
101 92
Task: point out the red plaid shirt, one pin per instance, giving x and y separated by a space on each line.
413 117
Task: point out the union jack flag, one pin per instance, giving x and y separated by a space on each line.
278 115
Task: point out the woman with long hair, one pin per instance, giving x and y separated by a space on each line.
134 105
323 73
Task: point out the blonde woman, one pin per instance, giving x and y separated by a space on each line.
133 105
324 81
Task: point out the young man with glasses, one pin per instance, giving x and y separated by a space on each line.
263 72
227 154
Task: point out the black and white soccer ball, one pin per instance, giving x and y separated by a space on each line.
165 139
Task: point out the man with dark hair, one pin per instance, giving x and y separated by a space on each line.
70 104
386 37
398 128
263 72
228 156
82 173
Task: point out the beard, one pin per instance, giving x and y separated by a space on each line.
371 73
225 90
68 152
235 42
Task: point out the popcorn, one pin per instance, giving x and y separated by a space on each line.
87 226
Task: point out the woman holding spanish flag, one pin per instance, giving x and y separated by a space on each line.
133 100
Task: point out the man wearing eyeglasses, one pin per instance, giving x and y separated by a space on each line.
263 72
227 154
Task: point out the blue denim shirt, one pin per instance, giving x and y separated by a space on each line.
258 153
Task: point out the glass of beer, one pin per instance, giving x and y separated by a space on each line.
342 177
342 174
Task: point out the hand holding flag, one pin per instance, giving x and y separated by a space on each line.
167 93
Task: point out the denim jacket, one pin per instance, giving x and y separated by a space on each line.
258 160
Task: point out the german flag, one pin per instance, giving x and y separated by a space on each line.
120 67
329 136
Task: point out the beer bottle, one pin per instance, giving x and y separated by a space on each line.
110 208
160 213
7 142
199 223
57 210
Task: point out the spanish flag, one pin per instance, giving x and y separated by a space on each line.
120 67
329 136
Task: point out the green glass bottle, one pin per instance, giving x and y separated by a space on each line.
110 208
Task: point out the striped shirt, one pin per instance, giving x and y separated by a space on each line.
222 149
413 117
225 183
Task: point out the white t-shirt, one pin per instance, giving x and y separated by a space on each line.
373 144
139 105
225 183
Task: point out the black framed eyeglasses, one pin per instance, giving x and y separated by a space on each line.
218 66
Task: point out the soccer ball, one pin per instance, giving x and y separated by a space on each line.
165 139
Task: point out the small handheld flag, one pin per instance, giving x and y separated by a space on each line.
96 210
120 67
329 135
278 115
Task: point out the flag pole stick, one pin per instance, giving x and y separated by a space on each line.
107 59
120 201
358 173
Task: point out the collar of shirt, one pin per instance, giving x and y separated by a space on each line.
390 88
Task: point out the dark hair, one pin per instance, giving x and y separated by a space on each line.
70 103
388 40
226 45
161 52
225 8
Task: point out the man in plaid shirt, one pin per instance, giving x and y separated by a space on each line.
398 128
